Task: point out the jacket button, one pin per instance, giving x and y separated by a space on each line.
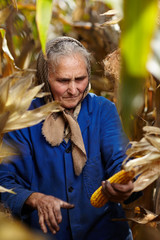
70 189
68 150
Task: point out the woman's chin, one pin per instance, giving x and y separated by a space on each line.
69 105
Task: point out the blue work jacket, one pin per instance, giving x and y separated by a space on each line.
49 170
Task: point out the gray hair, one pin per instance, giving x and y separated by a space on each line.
61 46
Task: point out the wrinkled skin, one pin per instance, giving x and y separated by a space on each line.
69 80
49 207
49 210
117 192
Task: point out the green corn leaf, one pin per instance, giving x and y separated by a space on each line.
2 32
137 32
43 17
138 29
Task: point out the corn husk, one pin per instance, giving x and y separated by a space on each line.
141 215
7 150
16 97
13 229
2 189
113 16
145 155
16 94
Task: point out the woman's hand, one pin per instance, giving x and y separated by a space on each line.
117 192
49 210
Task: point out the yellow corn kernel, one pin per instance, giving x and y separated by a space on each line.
98 199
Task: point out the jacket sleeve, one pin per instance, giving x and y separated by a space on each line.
113 139
16 173
114 143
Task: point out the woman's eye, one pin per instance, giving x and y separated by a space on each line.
80 79
63 80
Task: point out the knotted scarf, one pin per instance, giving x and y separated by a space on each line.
63 125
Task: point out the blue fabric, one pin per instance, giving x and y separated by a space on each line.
47 169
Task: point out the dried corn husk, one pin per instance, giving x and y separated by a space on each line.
16 94
12 229
145 165
2 189
146 158
16 97
141 215
114 17
6 151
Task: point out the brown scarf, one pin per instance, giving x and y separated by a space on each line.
64 125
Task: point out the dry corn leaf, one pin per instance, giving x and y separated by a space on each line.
12 229
31 117
140 215
144 162
149 175
145 232
20 96
111 22
154 141
6 151
2 189
4 13
151 130
9 66
139 152
146 158
111 12
14 2
42 94
114 16
145 166
5 155
3 119
17 92
4 89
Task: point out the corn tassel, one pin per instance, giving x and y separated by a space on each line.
98 199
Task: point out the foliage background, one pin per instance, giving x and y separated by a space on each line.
129 76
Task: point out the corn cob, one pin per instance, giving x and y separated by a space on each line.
98 199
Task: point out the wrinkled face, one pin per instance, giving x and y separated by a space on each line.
69 80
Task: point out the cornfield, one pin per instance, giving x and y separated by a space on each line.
120 71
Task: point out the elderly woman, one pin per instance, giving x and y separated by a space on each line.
65 158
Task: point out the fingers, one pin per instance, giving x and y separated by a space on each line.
47 217
107 189
117 192
57 211
42 223
49 212
66 205
124 187
53 221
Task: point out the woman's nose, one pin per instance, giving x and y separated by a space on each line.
72 87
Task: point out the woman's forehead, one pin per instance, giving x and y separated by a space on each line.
68 60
